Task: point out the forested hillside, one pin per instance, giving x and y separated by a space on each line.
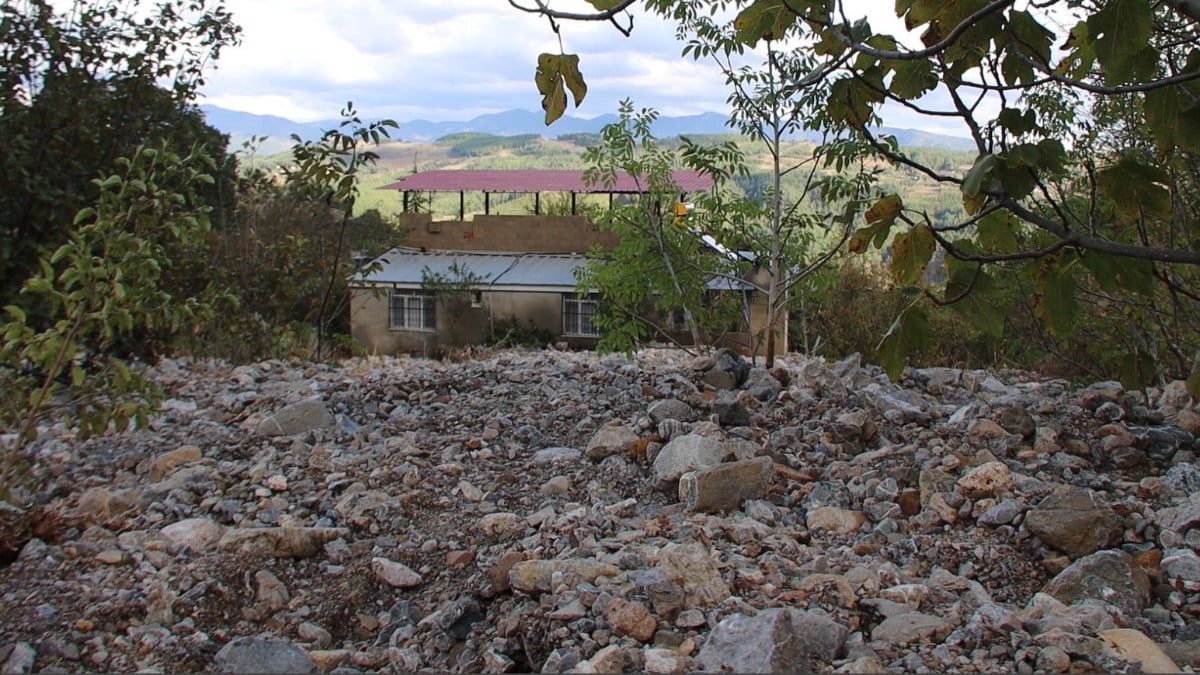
943 203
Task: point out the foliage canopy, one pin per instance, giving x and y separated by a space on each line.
1086 124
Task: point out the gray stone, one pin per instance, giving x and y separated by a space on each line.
827 493
395 574
1003 513
609 440
720 380
315 634
20 660
297 418
1109 576
197 534
557 454
774 640
1075 522
1182 564
910 628
728 361
691 568
669 409
934 481
1183 478
281 542
687 453
666 596
725 486
1016 420
262 655
732 414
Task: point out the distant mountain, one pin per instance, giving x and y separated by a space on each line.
241 126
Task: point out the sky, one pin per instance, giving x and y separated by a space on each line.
456 59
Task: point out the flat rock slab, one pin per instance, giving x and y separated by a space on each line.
725 486
262 655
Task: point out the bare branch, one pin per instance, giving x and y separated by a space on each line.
920 54
543 7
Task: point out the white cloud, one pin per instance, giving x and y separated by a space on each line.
441 60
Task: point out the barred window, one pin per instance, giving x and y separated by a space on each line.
411 310
577 315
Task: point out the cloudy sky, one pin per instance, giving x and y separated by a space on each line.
451 60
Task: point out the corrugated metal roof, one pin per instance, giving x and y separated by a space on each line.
407 267
530 180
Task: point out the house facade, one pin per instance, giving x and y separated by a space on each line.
455 282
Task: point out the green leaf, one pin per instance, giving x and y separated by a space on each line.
1024 154
978 306
1193 384
1123 30
909 331
1115 273
997 233
1136 189
1173 118
913 79
973 181
1017 181
911 253
1017 121
1079 61
603 5
556 73
1033 41
1054 295
1137 369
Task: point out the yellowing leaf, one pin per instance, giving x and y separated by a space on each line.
911 253
885 210
556 73
763 20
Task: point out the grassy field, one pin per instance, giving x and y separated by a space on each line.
942 203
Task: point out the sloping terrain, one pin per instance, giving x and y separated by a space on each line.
549 511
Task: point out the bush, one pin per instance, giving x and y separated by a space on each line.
509 332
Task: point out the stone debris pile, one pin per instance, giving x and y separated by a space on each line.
554 511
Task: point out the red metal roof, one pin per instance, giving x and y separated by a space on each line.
529 180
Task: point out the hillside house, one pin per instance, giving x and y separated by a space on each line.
502 268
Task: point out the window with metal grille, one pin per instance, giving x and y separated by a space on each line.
577 315
411 310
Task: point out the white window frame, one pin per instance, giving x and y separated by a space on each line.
412 310
577 313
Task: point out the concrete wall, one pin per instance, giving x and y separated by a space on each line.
457 323
531 234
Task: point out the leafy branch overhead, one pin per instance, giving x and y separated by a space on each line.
1085 119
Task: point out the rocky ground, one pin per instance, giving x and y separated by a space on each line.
558 511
